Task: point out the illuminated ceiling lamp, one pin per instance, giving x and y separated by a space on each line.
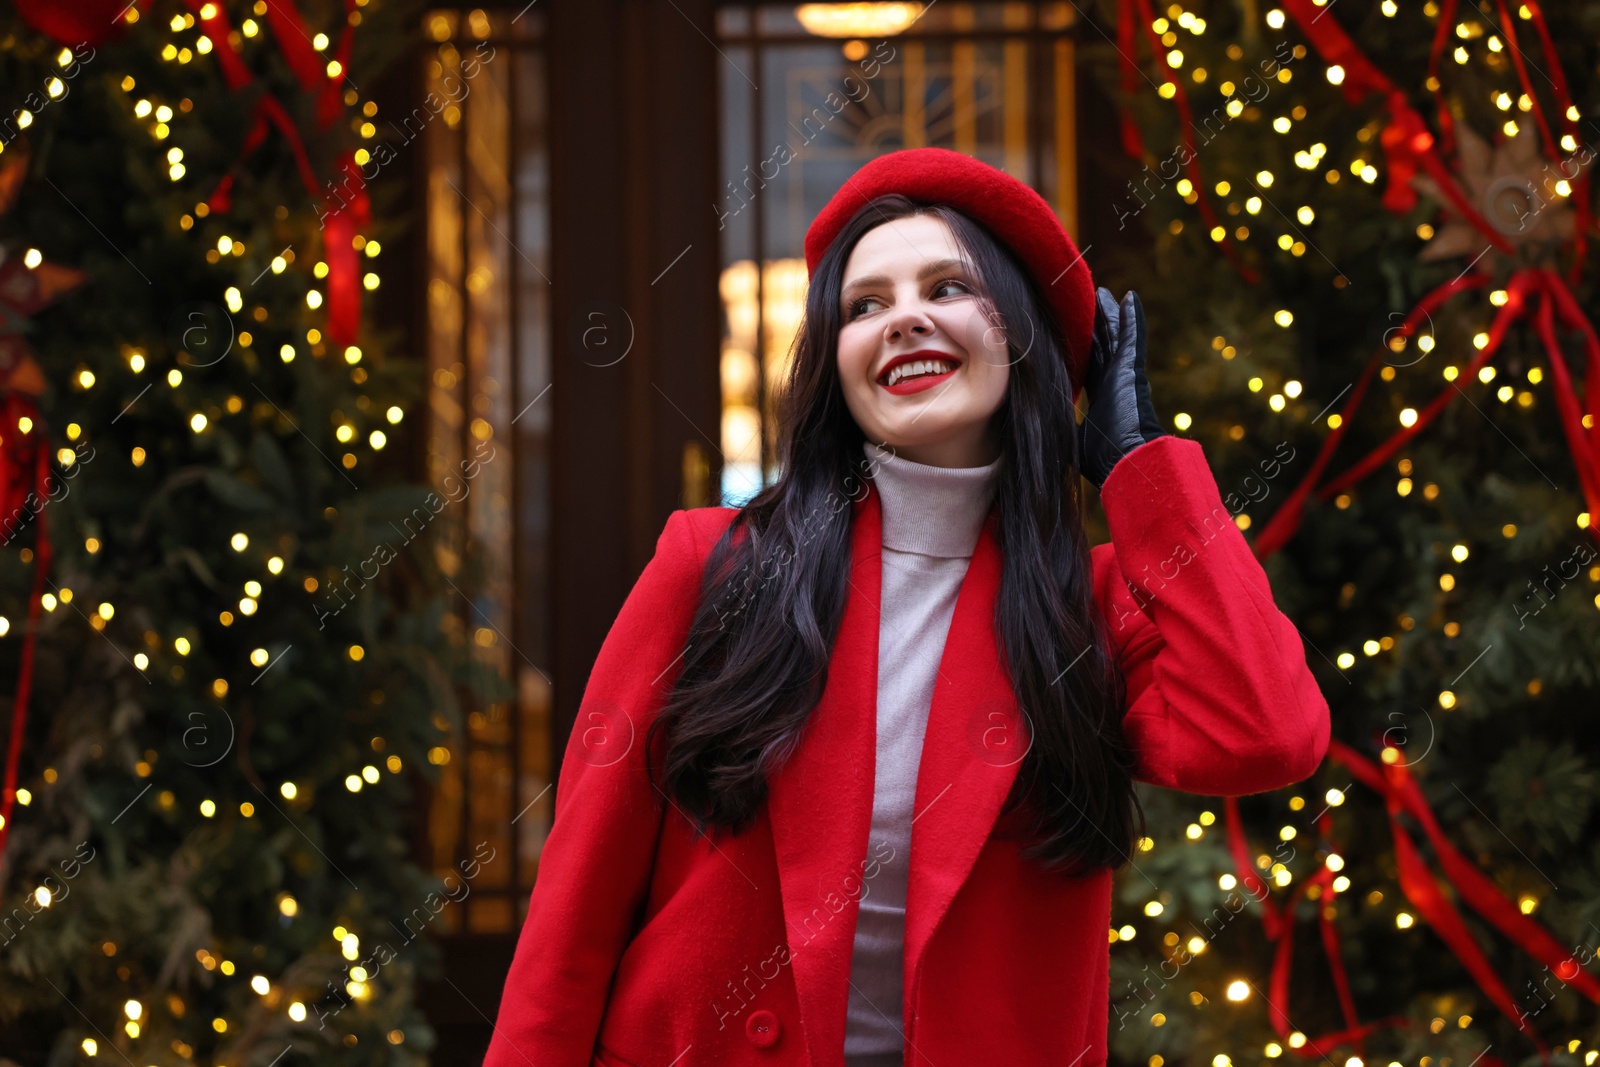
857 20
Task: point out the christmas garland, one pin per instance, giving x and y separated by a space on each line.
91 23
1538 294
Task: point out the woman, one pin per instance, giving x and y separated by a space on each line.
856 762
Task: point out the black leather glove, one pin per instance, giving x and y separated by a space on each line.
1121 416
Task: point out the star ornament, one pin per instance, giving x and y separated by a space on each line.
1525 197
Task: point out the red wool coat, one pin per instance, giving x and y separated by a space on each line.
644 947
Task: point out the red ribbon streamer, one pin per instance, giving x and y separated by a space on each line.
1130 137
1563 103
1287 519
1128 47
1567 304
344 262
16 408
309 69
1441 37
340 220
1401 794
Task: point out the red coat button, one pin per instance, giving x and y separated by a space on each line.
762 1028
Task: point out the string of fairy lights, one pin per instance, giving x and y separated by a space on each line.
1363 166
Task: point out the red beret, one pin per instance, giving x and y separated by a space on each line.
1010 210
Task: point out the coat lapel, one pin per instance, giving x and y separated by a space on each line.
820 802
975 741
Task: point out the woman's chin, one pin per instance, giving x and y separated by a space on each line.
910 432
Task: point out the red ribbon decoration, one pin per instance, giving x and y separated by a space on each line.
1355 1032
82 22
1527 288
1412 137
1564 101
344 262
1127 48
341 220
1441 37
1401 794
33 454
303 60
1409 147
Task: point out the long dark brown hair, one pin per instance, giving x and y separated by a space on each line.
774 587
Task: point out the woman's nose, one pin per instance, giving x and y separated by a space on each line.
908 320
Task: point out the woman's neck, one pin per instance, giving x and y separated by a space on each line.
937 511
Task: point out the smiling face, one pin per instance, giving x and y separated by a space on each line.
922 368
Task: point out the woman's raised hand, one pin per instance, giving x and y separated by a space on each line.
1120 416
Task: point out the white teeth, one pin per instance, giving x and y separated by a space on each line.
921 366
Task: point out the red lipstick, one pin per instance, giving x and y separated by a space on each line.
921 382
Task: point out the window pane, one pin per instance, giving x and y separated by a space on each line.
487 229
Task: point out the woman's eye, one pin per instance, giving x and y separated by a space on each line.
856 308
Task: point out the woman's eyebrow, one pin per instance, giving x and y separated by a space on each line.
937 267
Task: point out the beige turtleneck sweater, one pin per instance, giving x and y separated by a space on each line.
932 517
